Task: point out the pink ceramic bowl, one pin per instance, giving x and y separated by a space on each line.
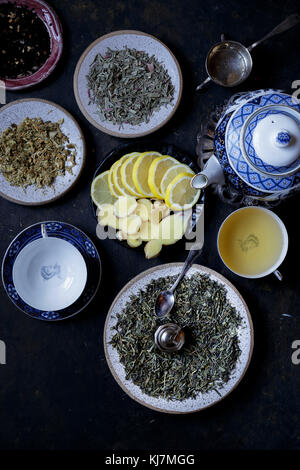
53 25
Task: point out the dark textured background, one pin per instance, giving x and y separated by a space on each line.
56 391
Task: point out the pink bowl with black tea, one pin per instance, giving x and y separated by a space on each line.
31 42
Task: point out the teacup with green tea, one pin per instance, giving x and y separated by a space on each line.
253 242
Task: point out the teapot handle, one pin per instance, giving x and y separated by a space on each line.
212 173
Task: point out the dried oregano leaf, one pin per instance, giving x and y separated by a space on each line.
128 85
35 153
209 354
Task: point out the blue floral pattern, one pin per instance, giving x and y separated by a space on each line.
15 248
90 249
78 239
219 143
50 315
12 292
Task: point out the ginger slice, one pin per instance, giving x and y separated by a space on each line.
130 224
124 206
152 248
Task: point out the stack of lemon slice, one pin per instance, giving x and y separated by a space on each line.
138 177
147 175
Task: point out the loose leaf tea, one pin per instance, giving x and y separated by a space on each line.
209 354
128 85
24 41
35 152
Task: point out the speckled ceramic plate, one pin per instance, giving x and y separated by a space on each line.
119 40
16 112
245 335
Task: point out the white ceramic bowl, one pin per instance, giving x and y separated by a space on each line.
49 274
133 40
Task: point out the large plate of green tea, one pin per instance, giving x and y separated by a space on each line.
218 340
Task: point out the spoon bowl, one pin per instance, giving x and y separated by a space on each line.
164 303
166 299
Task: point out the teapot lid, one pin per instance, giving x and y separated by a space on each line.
271 140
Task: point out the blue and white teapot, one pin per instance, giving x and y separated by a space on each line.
256 147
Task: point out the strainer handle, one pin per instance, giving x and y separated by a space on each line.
208 79
288 23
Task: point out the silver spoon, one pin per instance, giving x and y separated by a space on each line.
165 300
229 63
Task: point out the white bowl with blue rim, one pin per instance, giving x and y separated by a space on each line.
51 271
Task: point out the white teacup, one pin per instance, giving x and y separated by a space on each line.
49 273
253 242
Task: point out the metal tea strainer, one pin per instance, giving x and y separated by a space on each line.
229 63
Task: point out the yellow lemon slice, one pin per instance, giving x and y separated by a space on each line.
111 184
141 170
157 170
116 174
171 173
180 195
126 174
100 191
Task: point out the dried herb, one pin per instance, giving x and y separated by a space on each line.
128 85
35 152
211 350
24 41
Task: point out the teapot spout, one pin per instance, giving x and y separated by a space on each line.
212 173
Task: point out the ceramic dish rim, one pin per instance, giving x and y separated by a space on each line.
83 158
129 284
91 119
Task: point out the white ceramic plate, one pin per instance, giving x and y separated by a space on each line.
134 40
16 112
245 335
